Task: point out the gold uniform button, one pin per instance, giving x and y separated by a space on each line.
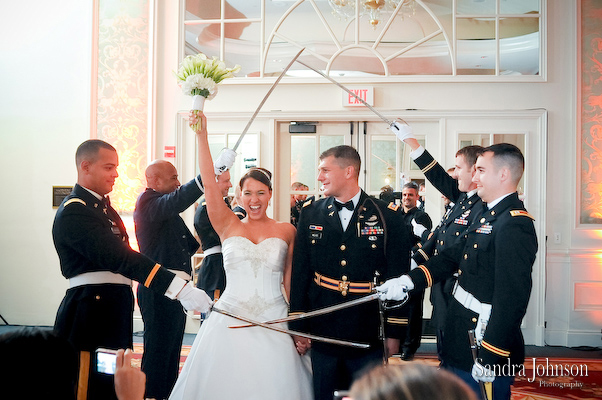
457 233
344 277
459 272
465 256
97 297
313 241
475 245
373 245
343 263
492 212
482 220
474 319
343 247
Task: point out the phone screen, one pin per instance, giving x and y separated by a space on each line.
106 361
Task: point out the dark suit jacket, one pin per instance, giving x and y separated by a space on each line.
161 232
375 240
494 259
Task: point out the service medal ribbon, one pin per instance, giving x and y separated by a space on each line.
486 229
369 231
461 221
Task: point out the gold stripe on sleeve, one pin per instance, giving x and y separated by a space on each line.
151 276
428 167
495 350
429 278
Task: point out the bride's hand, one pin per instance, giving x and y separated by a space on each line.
302 344
197 121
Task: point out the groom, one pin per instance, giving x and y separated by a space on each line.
342 241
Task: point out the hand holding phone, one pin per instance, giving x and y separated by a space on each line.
130 382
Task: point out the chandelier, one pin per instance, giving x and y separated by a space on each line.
346 8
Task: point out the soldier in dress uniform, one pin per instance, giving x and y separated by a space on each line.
460 190
212 277
419 225
94 253
297 201
342 241
163 236
494 260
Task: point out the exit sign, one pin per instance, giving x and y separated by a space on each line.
365 93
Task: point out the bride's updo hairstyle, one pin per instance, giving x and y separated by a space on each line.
259 174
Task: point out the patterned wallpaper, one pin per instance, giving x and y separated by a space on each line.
122 113
591 112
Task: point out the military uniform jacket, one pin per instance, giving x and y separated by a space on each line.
375 240
203 227
454 222
161 232
421 218
494 259
87 239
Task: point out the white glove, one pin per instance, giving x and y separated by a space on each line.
402 131
193 298
396 288
418 229
479 330
481 373
224 161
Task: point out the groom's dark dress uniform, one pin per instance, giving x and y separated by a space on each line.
97 310
332 266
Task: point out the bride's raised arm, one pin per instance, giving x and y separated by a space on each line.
221 217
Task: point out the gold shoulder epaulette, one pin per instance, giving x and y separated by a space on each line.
74 200
393 206
521 213
308 202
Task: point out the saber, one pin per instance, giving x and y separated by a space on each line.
381 317
320 311
473 350
388 121
289 332
244 131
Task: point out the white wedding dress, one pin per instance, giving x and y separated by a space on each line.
246 363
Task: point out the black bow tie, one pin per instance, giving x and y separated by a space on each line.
348 205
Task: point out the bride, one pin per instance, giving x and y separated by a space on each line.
247 363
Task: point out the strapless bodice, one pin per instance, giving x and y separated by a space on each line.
254 275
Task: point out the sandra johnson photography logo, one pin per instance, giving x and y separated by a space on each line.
539 368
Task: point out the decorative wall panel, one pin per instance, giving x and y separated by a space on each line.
591 112
122 92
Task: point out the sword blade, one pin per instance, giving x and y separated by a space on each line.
389 122
289 332
321 311
244 131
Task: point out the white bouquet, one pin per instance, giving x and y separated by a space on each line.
199 75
